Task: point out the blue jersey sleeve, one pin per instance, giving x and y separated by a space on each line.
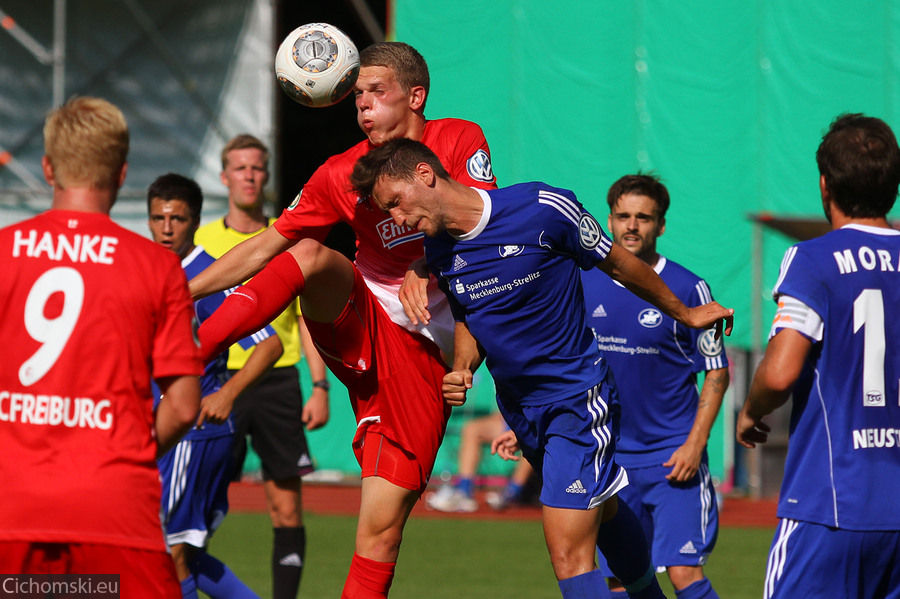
572 230
704 351
800 278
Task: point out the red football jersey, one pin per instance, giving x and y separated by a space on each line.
384 250
91 312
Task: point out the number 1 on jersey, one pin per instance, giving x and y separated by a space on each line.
868 312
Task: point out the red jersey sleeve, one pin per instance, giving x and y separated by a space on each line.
463 151
325 200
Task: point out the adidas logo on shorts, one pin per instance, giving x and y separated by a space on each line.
688 548
576 487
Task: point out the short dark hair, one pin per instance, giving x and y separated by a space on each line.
860 161
408 65
397 159
645 184
173 186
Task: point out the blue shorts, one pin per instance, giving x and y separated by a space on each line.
195 476
813 560
681 520
572 444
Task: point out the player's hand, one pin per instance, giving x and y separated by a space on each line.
316 410
456 383
506 446
711 315
684 463
413 292
749 430
215 408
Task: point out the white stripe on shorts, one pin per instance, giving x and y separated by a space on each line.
778 555
599 409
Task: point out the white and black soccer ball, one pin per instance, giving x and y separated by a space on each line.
317 64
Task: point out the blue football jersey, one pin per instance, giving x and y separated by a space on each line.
654 359
216 373
515 281
843 461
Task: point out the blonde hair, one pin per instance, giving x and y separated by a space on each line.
242 142
408 65
86 142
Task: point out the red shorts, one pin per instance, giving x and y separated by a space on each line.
394 379
143 574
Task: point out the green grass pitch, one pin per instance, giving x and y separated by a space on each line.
453 558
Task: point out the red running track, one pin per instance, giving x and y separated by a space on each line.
343 499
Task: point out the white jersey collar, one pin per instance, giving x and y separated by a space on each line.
190 257
871 229
485 217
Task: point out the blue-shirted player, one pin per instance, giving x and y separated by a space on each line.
509 259
665 421
835 345
196 472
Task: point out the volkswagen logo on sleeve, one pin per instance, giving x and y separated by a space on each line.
708 345
588 232
479 167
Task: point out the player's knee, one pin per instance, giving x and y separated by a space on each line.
684 576
569 561
284 506
382 545
309 254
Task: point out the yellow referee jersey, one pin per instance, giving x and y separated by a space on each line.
216 239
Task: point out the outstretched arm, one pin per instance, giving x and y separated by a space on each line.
239 263
772 384
641 280
685 461
216 407
467 356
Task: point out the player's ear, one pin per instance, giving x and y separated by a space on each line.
417 95
47 168
662 226
122 174
826 197
425 174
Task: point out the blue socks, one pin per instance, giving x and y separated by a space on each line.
216 580
513 491
702 589
622 542
189 588
590 585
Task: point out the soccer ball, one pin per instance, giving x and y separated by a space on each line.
317 64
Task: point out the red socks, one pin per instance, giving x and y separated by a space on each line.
368 579
252 306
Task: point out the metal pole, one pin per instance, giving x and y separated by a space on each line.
59 52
